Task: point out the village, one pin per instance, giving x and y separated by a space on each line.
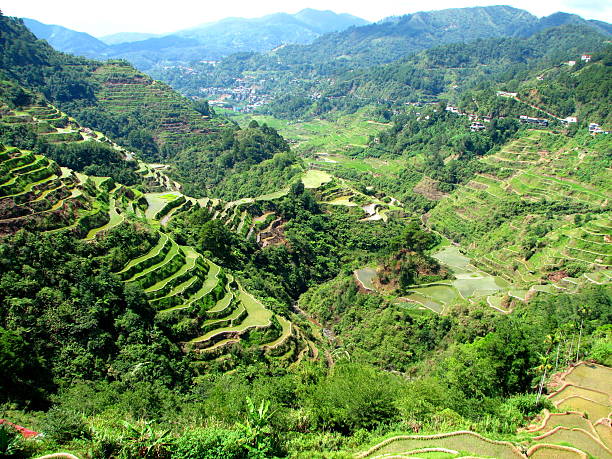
247 96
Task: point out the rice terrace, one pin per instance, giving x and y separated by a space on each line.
305 234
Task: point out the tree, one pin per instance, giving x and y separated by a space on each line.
352 397
545 364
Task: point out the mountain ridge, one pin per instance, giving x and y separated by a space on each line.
207 41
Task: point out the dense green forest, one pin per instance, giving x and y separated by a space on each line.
178 284
443 71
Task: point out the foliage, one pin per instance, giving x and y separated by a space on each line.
352 397
210 443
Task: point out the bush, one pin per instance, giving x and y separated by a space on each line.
64 425
10 441
353 397
210 443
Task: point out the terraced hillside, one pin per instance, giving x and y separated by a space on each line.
539 217
581 429
583 398
37 194
124 91
57 128
206 308
335 191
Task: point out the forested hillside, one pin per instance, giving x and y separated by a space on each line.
443 72
209 41
417 262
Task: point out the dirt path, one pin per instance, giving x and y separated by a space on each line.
537 108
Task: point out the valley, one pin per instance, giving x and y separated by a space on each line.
389 258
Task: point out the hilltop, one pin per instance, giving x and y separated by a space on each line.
210 41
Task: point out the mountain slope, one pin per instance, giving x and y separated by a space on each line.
447 70
208 41
396 37
67 40
126 37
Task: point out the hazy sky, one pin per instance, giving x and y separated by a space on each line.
109 16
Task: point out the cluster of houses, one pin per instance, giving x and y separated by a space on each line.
531 120
246 96
474 118
477 122
595 129
585 58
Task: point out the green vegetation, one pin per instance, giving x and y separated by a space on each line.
400 282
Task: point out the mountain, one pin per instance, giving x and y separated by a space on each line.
211 41
275 29
444 71
328 21
67 40
445 269
396 37
126 37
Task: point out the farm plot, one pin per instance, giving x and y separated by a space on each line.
315 178
366 277
465 441
157 201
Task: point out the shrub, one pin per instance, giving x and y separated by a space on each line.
64 425
210 443
10 441
353 397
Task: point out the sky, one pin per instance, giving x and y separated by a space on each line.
156 16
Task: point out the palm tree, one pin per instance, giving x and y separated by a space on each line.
543 369
582 313
545 364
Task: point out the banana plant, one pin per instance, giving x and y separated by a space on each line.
9 441
147 442
543 368
257 428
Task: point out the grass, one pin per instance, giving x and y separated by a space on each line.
554 452
173 252
594 410
569 420
426 302
578 438
179 290
315 178
284 336
334 135
571 390
257 316
453 258
115 219
188 266
544 166
469 442
440 293
209 284
222 304
157 201
592 376
161 242
469 283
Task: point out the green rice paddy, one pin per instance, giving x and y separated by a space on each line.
315 178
